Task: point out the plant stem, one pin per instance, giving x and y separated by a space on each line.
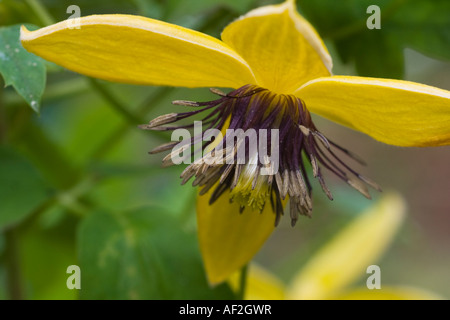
14 280
115 137
103 91
51 160
41 12
242 283
154 100
2 113
71 199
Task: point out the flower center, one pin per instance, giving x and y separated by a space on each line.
258 145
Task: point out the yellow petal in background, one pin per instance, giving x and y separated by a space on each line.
282 48
260 284
138 50
395 112
229 239
389 293
348 255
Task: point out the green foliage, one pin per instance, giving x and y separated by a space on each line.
142 254
77 186
418 24
189 10
21 69
22 189
47 248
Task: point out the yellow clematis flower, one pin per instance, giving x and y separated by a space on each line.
329 273
280 71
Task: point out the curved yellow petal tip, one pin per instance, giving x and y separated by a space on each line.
25 35
229 239
348 254
23 32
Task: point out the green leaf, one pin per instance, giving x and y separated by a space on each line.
58 8
21 189
3 284
424 26
142 254
45 253
373 63
21 69
150 8
198 6
418 24
193 14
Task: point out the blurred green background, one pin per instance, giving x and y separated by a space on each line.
78 187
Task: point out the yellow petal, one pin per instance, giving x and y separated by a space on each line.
349 254
138 50
395 112
282 48
389 293
229 239
260 284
